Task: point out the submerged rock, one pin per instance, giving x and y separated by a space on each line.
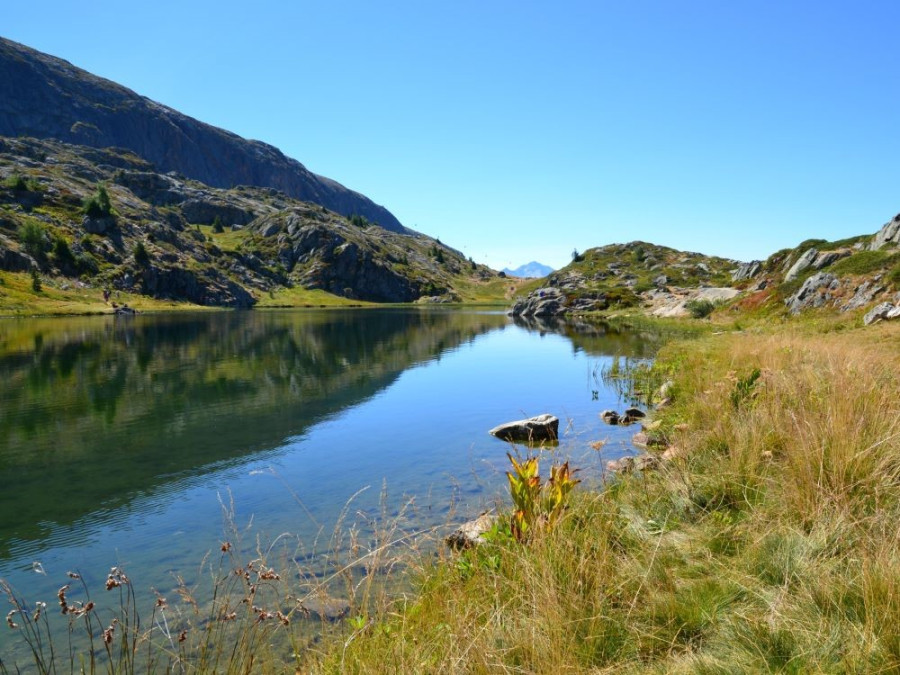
541 428
325 608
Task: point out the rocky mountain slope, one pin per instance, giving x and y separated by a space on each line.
859 273
45 97
107 218
625 275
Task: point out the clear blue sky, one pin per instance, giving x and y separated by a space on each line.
522 130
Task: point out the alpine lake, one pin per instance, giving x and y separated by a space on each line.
151 443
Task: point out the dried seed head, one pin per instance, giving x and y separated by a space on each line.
226 546
182 636
285 621
73 575
9 619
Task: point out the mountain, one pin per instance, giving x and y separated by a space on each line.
42 96
87 218
532 270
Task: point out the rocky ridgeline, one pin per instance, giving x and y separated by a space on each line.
273 241
42 96
862 272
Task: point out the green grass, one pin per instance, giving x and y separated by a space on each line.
865 262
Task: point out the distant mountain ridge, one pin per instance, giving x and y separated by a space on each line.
532 270
46 97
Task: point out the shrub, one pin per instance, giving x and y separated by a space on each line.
699 309
85 263
217 226
62 254
16 182
98 206
141 256
33 236
576 256
35 281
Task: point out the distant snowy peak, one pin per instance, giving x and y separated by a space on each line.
532 270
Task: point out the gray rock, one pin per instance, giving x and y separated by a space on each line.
635 413
540 428
813 292
471 533
826 258
880 312
746 271
802 263
101 225
864 294
888 234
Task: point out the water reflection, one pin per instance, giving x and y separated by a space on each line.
94 411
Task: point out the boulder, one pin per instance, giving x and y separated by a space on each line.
635 414
100 225
881 312
471 533
610 416
541 428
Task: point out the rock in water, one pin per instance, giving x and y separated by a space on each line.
610 416
541 428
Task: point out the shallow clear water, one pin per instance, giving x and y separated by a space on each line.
121 439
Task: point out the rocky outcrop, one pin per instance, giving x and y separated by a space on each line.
884 311
212 288
814 292
45 97
541 428
805 260
746 271
544 302
887 235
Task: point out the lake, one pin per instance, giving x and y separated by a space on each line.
145 442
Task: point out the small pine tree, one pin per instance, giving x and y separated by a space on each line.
217 226
439 256
141 256
36 281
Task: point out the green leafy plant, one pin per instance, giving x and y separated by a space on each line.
16 182
744 388
537 504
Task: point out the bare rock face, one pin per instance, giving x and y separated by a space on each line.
882 312
746 271
45 97
541 428
814 292
889 234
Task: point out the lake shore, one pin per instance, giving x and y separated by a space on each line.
768 544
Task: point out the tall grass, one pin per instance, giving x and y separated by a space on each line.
770 546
